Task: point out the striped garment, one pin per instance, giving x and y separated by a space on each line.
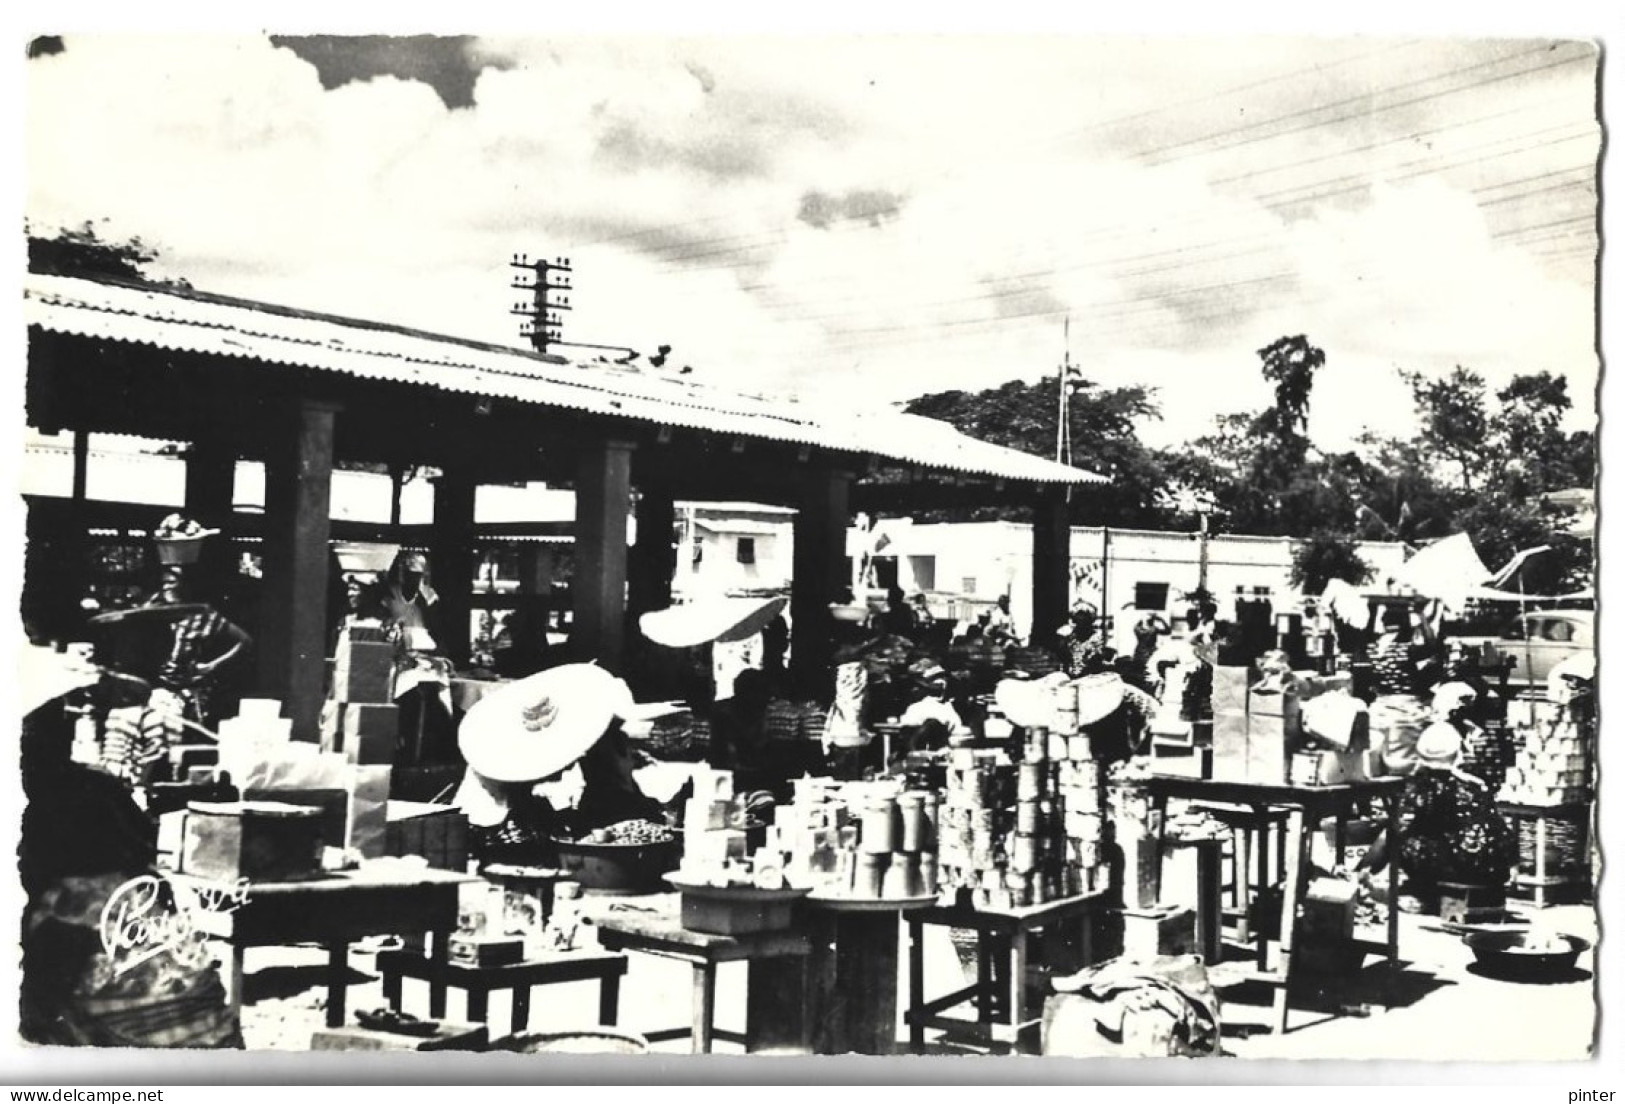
138 737
198 639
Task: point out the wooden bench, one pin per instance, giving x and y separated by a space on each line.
605 967
769 1024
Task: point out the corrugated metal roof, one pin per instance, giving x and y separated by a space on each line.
216 326
743 527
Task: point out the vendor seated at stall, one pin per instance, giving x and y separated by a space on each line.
547 759
1115 715
1450 829
931 718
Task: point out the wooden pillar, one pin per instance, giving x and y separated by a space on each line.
451 562
1052 555
818 570
653 559
211 483
598 590
292 645
81 463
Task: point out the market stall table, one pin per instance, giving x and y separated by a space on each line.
555 968
467 692
995 928
771 1021
1302 803
333 910
851 997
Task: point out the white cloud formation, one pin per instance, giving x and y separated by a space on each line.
1184 201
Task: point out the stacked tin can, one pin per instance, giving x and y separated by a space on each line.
1025 827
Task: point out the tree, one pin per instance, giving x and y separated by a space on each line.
1260 470
1325 556
1454 423
1498 463
82 251
1102 421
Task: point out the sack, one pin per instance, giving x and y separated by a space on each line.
1160 1008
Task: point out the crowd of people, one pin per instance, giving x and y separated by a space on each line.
922 679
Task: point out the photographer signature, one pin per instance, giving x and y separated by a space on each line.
150 915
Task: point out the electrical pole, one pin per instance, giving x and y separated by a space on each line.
549 281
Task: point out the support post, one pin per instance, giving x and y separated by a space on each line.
292 647
81 463
653 557
451 561
598 590
211 482
818 577
1052 555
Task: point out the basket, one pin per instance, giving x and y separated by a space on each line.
1505 956
178 550
620 868
1565 845
364 556
601 1040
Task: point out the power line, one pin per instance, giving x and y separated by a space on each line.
1113 266
1424 166
1067 134
1369 96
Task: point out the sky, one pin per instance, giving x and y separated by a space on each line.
865 219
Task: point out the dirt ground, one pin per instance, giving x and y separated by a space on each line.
1434 1006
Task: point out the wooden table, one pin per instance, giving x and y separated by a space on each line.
1001 1018
775 961
334 910
1302 804
556 968
851 996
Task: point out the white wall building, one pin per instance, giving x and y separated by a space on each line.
967 566
732 548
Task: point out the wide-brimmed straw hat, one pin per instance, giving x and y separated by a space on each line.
1452 696
538 726
1439 745
44 675
1099 696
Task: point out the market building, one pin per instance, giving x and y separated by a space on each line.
896 845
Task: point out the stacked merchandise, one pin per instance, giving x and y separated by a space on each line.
1016 834
715 851
1552 765
1487 752
1549 786
360 719
857 840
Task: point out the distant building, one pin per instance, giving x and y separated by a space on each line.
965 567
732 548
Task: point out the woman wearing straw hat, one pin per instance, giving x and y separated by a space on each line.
1115 714
1449 827
547 758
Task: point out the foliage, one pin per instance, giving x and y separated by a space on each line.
1325 556
82 251
1025 417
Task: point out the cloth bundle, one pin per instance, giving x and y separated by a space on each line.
1164 1008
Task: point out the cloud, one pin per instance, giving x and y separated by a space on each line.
443 63
873 206
879 216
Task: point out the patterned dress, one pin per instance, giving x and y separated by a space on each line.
198 640
1451 831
